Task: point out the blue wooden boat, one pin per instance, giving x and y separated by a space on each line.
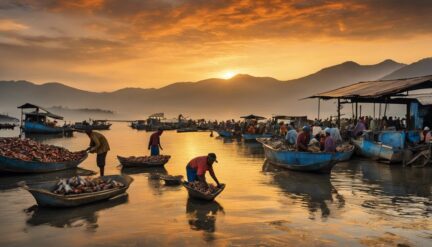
20 166
225 133
394 139
38 121
253 137
305 161
377 150
46 198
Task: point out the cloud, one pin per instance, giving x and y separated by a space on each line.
11 25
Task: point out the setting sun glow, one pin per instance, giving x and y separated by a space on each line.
228 74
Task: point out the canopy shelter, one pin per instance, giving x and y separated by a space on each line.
37 111
381 91
251 116
157 115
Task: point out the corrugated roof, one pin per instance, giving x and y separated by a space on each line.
46 113
425 100
376 89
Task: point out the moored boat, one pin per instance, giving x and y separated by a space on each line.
139 162
44 195
92 125
253 137
12 165
318 162
201 196
225 133
375 150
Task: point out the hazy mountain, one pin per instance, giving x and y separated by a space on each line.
210 98
420 68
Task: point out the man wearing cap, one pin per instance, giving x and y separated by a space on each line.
303 139
198 166
154 143
330 143
100 146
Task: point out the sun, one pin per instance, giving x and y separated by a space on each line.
228 74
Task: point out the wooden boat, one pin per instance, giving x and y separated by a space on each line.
305 161
46 198
171 180
21 166
38 121
198 195
253 137
125 162
225 133
95 125
184 130
377 150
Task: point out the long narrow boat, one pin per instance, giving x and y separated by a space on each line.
377 150
21 166
253 137
225 133
46 198
305 161
126 162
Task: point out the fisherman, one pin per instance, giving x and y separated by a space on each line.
335 134
359 128
154 143
303 139
197 167
291 136
283 129
100 146
330 143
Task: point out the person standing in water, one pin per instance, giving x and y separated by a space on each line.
100 146
154 143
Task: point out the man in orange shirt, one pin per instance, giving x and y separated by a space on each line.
198 166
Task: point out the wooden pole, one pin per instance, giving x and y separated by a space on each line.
356 112
339 114
360 110
374 110
319 108
408 116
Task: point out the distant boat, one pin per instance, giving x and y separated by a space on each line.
319 162
92 125
225 133
253 137
41 121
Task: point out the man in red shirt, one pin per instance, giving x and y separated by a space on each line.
154 143
198 166
303 139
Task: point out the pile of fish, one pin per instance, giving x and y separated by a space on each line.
149 159
344 147
278 144
78 185
29 150
200 187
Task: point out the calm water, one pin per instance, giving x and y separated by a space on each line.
361 204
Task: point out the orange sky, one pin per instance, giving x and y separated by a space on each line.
108 44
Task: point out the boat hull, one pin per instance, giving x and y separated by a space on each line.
225 133
200 196
126 163
45 198
301 161
21 166
38 128
253 137
92 127
375 150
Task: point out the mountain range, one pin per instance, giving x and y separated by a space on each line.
211 98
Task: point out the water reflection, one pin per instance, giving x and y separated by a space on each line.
202 215
10 181
314 191
143 170
251 149
391 190
83 216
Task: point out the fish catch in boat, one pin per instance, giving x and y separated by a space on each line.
29 150
79 185
149 159
200 187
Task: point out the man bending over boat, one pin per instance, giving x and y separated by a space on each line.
154 143
197 167
100 146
